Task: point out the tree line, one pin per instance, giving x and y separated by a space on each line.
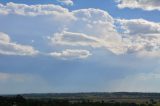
21 101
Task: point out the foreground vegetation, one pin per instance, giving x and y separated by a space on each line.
21 101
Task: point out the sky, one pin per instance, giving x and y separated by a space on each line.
68 46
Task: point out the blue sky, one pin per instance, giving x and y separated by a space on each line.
79 46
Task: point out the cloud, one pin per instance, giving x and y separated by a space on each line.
139 27
148 5
94 22
140 45
71 54
31 10
141 37
95 28
55 11
66 2
144 45
80 39
74 39
90 24
7 47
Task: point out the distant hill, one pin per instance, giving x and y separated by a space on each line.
103 95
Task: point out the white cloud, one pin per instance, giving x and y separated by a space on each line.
31 10
4 37
74 39
90 23
83 28
71 54
29 23
94 28
144 45
66 2
139 26
141 36
147 45
142 4
94 22
56 11
80 39
7 47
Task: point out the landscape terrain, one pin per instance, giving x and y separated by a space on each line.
82 99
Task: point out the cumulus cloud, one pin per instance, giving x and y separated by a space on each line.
141 36
142 4
31 10
66 2
71 54
94 28
94 22
55 11
139 27
80 39
143 45
7 47
74 39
